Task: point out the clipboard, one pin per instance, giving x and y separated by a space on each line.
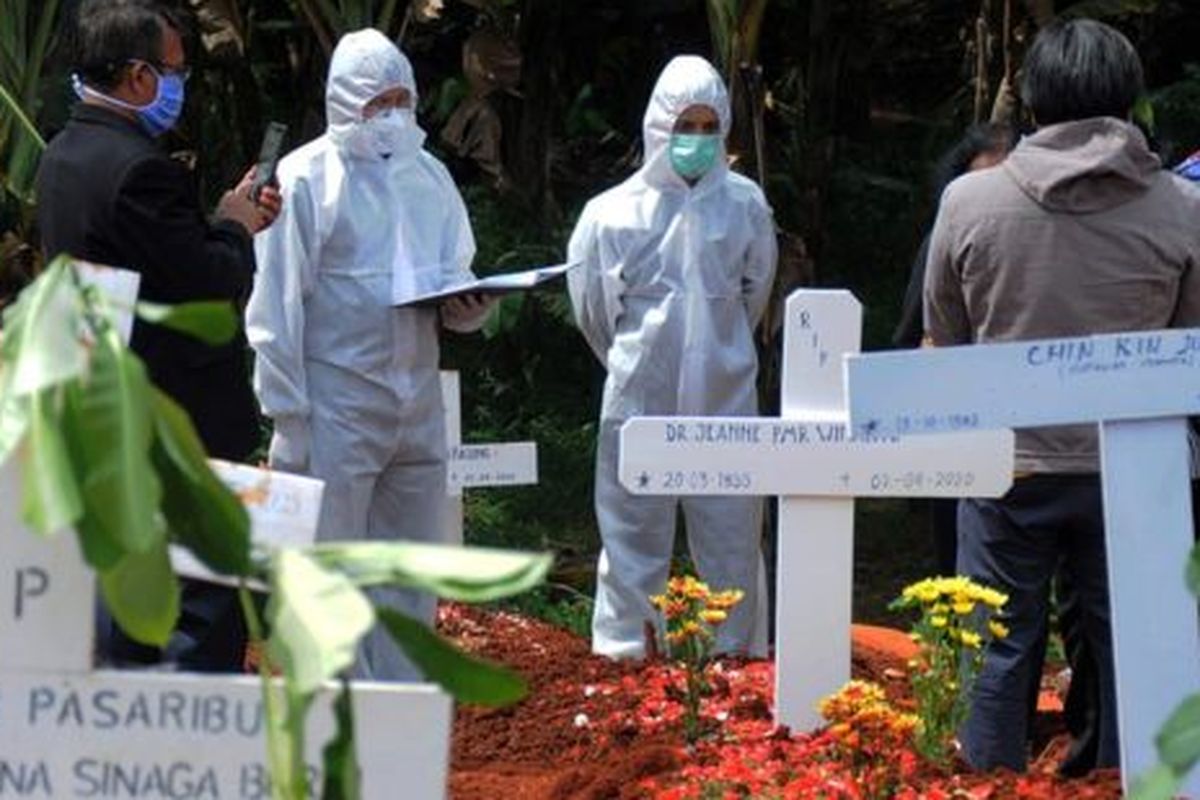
495 285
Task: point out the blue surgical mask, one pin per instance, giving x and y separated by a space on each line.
693 155
159 115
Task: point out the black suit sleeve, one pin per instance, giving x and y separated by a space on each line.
180 255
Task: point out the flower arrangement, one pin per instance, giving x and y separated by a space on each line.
692 612
871 736
958 618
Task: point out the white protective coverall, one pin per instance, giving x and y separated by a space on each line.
351 381
671 284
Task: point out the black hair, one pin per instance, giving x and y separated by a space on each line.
110 33
984 137
1080 68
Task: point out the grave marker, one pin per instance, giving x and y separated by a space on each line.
816 469
283 508
46 622
68 731
1138 387
471 466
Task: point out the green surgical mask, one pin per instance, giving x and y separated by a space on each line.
694 154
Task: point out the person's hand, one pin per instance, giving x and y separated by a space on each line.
290 443
254 215
466 312
467 306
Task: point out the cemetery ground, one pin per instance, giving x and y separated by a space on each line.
592 728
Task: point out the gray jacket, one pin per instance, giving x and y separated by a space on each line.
1079 231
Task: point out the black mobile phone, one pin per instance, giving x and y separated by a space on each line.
268 157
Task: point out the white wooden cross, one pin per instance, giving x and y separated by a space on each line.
67 730
283 508
472 466
1138 387
808 460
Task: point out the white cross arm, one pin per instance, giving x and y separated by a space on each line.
134 734
759 456
1026 384
479 465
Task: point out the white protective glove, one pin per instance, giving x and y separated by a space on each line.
289 445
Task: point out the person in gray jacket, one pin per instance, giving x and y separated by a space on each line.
1078 232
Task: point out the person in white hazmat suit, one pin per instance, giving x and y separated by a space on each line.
351 381
675 271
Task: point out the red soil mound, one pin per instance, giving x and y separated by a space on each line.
593 729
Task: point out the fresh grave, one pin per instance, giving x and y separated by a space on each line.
816 468
67 730
1138 387
476 466
593 728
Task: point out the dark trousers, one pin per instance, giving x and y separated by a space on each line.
943 524
1045 524
209 637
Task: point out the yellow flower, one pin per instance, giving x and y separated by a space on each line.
925 591
998 629
970 639
713 616
990 597
937 621
963 607
723 601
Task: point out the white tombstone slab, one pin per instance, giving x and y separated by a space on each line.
283 508
44 583
1138 387
816 468
46 620
471 466
66 731
124 734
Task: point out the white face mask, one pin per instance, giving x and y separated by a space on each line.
392 134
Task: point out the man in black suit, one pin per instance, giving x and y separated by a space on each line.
109 193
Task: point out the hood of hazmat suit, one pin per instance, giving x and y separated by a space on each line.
672 278
675 276
351 380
